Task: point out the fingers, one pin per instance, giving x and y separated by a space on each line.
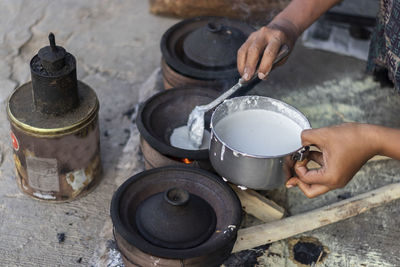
269 55
253 54
241 56
310 190
316 176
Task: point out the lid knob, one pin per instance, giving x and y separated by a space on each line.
175 219
176 196
52 57
214 27
214 45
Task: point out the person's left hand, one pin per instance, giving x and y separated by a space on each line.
344 150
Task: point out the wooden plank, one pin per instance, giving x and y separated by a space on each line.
259 206
273 231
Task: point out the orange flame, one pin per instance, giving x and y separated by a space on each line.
186 160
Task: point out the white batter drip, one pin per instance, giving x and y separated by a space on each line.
259 132
180 138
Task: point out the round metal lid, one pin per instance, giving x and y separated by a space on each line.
175 219
21 110
204 47
214 45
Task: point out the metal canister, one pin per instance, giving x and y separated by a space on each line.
54 129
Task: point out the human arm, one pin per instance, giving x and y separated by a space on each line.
344 150
283 29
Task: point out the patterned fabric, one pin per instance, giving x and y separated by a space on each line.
385 43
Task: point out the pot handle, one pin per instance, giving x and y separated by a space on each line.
301 154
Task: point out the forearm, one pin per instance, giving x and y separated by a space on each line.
302 13
387 141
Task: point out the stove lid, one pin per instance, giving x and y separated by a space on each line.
175 219
205 47
214 45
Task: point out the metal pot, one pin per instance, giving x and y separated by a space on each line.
256 172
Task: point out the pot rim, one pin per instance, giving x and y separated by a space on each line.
244 154
151 249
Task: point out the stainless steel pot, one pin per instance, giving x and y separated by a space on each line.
251 171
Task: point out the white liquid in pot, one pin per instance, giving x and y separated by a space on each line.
259 132
180 139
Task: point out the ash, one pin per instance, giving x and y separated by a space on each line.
114 256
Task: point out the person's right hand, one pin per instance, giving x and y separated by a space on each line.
265 44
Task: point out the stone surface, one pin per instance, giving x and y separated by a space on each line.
116 44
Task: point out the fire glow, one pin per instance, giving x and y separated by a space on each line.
186 160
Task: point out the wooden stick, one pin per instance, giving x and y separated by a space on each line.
259 206
273 231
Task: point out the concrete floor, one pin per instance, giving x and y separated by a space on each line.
116 44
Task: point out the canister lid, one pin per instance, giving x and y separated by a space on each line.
175 219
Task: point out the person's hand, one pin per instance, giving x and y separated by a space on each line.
266 44
344 150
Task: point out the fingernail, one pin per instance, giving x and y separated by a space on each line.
261 76
289 186
246 76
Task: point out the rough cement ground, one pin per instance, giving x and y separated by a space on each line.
116 44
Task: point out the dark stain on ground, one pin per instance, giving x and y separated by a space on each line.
79 260
344 195
307 253
61 237
307 250
246 258
129 112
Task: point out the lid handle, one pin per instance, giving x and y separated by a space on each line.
176 196
214 27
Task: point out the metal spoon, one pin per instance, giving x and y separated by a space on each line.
195 123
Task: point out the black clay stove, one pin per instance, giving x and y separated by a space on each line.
175 216
160 115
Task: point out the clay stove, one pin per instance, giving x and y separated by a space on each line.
202 52
160 115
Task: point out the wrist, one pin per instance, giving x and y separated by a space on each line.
373 140
290 30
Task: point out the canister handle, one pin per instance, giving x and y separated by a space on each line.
301 154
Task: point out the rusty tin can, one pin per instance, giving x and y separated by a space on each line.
54 129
